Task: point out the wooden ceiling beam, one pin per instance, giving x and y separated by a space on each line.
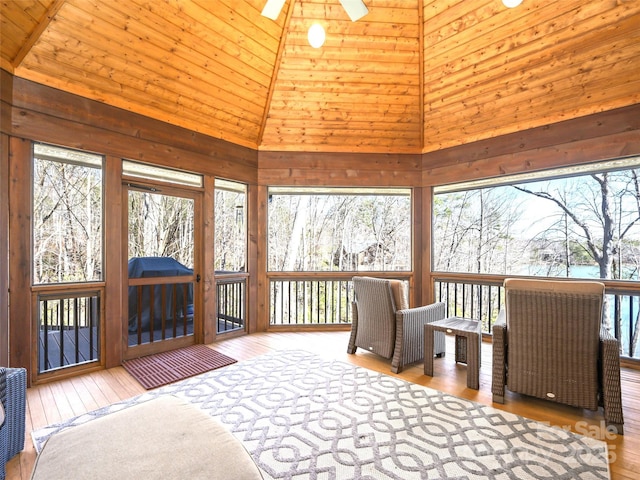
51 12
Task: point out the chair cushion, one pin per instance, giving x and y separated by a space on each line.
400 294
558 286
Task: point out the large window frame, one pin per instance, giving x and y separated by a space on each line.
68 312
364 250
479 295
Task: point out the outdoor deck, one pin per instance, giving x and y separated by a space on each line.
76 346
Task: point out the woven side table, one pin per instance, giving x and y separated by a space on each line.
468 345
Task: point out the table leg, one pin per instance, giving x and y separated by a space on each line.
473 362
428 350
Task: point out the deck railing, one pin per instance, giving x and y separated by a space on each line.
300 300
231 303
471 298
159 309
69 329
482 297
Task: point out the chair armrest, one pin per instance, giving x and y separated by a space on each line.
422 315
499 346
611 394
410 322
502 318
351 348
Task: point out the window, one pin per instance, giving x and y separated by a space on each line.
230 227
339 229
67 215
577 222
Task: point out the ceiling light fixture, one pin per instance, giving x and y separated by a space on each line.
272 8
511 3
316 35
356 9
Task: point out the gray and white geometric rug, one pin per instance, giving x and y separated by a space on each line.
305 417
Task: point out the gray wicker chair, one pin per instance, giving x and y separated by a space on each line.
384 324
549 343
13 395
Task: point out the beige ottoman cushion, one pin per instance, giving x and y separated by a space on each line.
159 439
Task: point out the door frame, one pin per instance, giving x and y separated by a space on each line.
162 188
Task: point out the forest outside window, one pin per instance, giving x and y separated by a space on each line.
339 229
67 215
579 222
575 222
67 230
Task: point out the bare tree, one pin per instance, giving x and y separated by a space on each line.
601 214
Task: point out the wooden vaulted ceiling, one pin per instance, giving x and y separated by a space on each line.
412 76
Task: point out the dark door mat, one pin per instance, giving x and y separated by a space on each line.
167 367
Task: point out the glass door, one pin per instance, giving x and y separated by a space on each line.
162 281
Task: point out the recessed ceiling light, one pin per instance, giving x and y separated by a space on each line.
316 35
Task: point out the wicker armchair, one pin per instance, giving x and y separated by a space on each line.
384 324
549 343
13 395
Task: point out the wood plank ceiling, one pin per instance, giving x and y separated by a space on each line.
411 76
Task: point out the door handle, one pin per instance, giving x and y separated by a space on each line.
198 278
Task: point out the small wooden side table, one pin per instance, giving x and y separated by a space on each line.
468 345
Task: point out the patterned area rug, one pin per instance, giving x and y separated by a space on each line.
163 368
304 417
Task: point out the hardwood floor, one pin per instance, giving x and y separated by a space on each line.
57 401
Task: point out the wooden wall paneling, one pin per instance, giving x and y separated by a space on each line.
573 153
54 130
20 301
338 169
600 125
255 234
49 115
262 297
115 335
4 250
208 307
56 103
6 100
602 136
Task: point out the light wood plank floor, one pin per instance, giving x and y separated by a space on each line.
64 399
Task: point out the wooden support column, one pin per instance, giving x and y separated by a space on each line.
418 217
262 297
4 250
208 282
253 243
115 332
426 280
20 303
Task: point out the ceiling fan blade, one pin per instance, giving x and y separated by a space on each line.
356 9
273 8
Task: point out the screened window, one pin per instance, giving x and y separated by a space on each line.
339 229
67 215
577 222
230 226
